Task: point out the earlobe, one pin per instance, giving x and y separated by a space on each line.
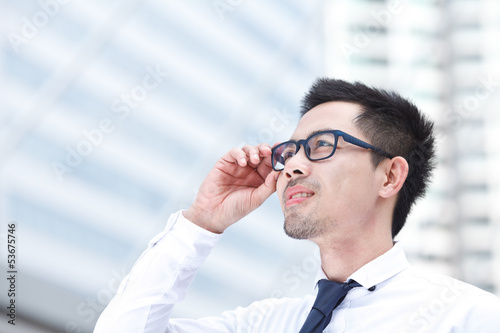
396 172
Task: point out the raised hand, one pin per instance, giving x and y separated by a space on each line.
238 183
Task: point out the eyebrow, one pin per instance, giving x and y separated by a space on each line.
315 132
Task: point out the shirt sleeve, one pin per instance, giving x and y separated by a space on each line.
159 279
484 315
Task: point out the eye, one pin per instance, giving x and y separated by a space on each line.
286 155
323 143
322 146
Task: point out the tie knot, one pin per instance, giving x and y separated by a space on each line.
331 294
325 284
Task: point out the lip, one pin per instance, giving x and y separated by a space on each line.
290 192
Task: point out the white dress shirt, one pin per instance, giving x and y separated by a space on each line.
394 297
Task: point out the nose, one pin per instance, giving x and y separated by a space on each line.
298 165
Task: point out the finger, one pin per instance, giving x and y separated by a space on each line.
265 165
268 187
264 149
258 154
264 168
249 155
253 154
237 155
266 152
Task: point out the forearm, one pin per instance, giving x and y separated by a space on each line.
159 279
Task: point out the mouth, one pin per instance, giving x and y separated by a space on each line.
296 195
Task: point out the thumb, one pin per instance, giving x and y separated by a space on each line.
268 187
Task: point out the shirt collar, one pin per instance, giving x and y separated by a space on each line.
378 270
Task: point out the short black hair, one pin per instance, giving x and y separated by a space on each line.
393 124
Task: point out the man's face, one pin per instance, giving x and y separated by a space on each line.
332 197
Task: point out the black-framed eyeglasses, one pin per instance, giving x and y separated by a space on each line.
318 146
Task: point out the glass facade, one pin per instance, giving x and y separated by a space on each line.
444 57
112 113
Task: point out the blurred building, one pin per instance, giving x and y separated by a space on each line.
111 113
443 55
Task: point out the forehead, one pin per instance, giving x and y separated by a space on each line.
330 115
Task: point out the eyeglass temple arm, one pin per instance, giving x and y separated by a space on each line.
360 143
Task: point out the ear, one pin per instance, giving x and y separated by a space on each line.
396 171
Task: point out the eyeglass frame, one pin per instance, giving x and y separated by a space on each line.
347 138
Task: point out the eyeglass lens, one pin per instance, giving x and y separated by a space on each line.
318 146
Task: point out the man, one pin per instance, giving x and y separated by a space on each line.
356 163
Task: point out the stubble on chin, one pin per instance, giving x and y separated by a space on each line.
301 227
298 224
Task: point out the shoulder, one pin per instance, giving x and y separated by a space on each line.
461 295
435 302
429 279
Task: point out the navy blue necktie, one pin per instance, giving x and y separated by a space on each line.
330 295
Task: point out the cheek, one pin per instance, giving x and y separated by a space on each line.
280 188
356 185
347 182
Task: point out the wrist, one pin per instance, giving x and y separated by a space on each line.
200 219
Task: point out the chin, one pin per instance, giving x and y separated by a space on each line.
300 227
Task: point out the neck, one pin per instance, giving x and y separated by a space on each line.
341 257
